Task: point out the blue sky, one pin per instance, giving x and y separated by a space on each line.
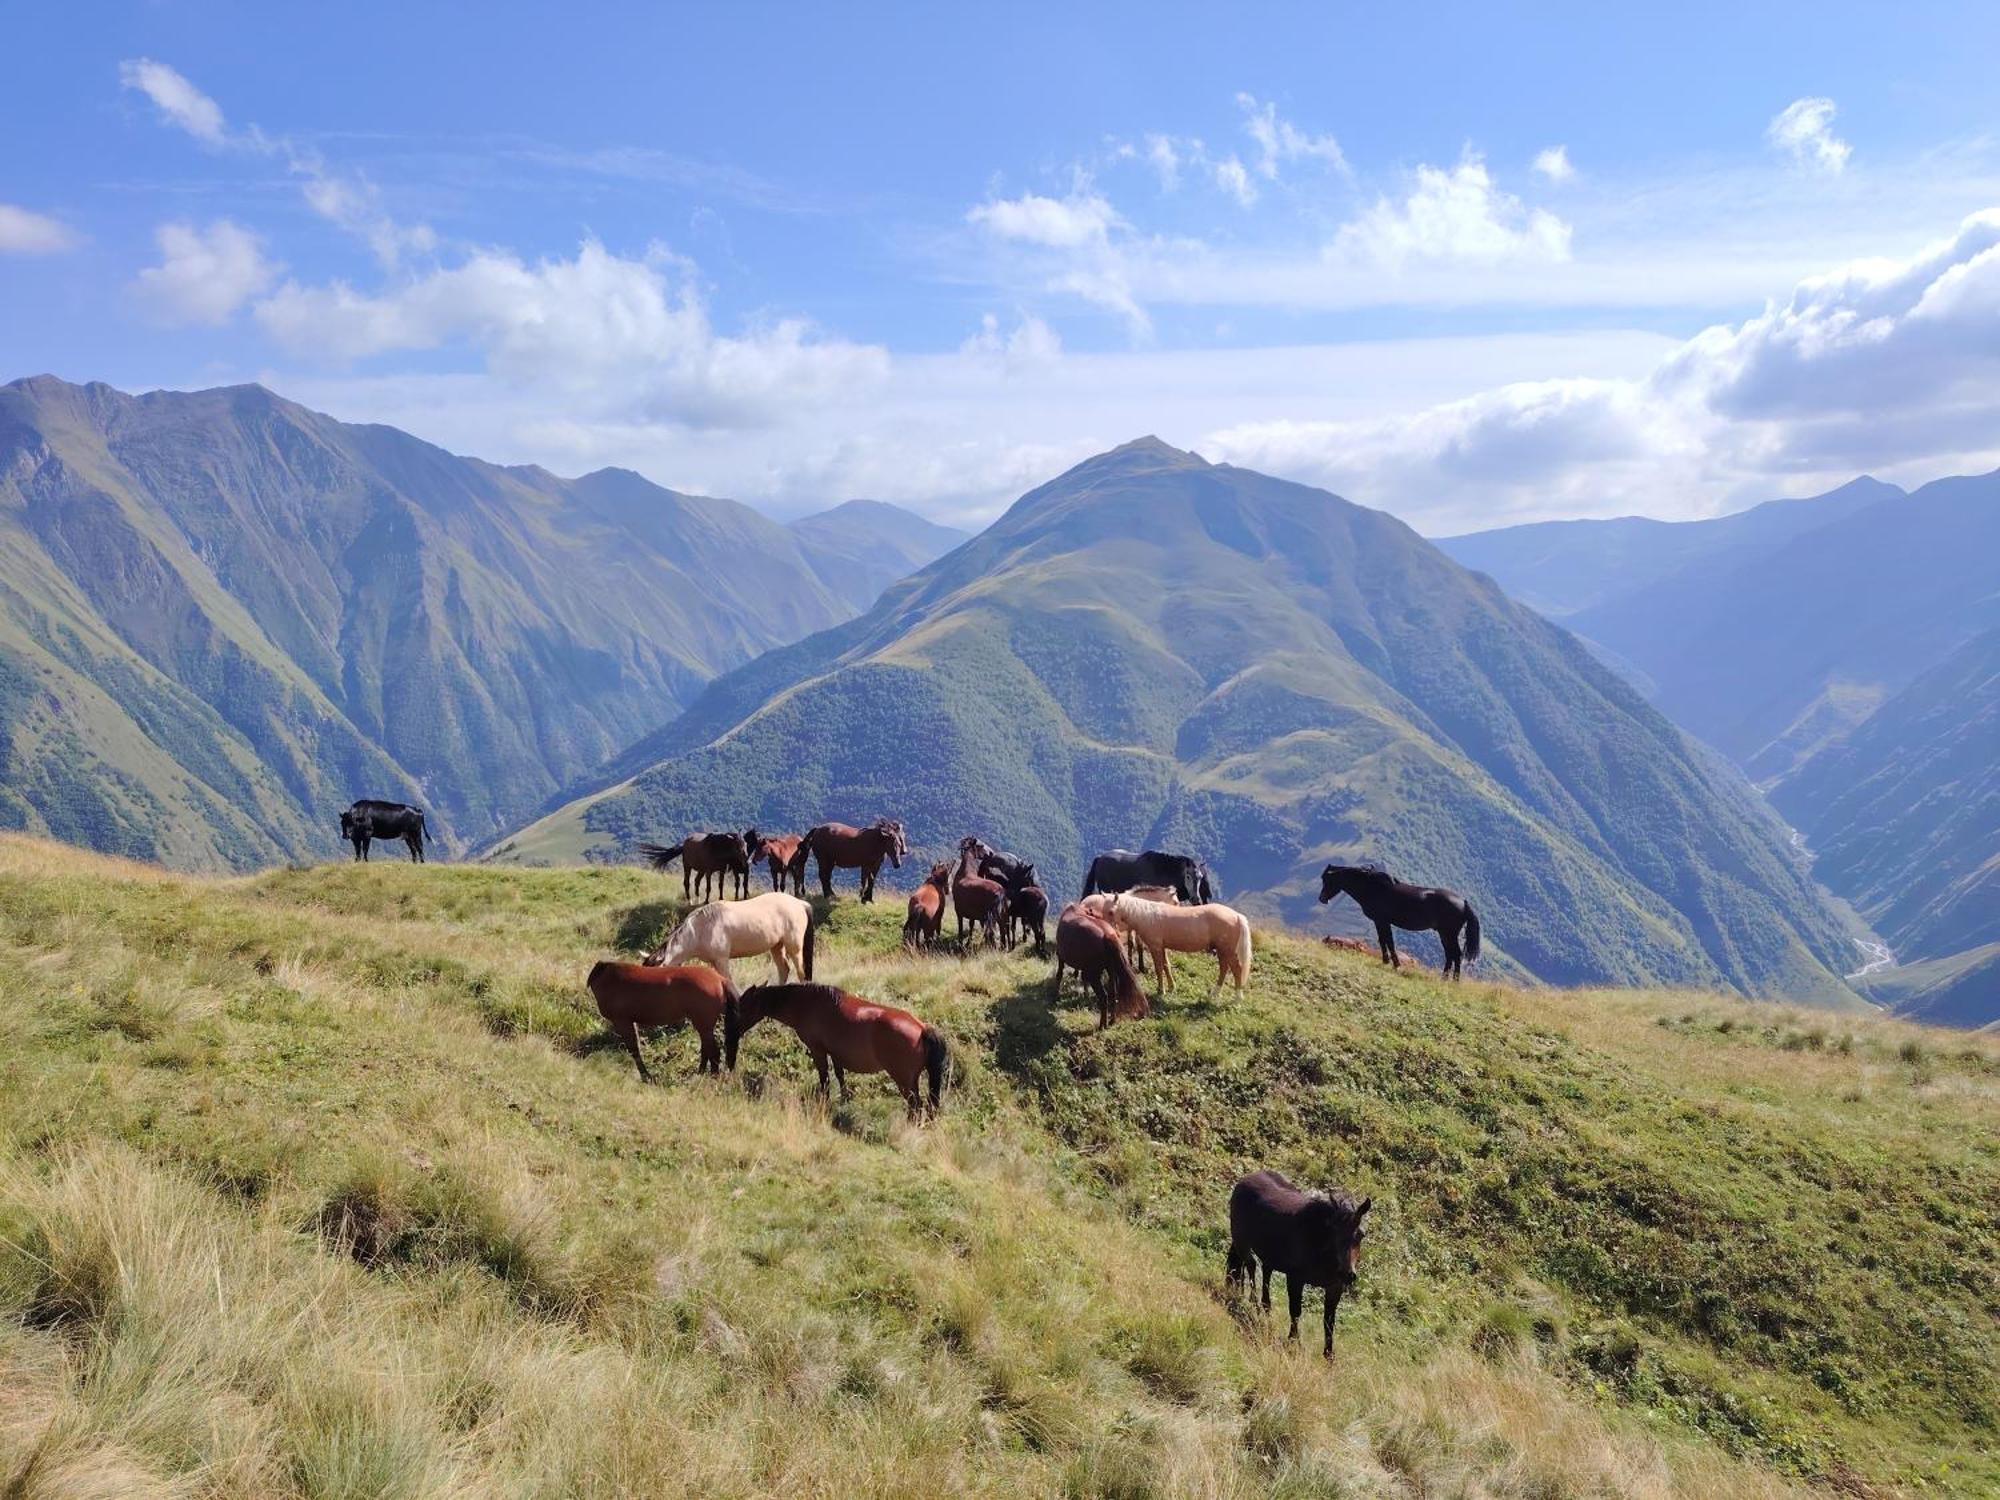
1472 264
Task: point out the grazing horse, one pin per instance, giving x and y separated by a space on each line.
633 995
1314 1239
1091 946
853 1034
705 858
840 846
1120 869
368 819
977 901
783 856
1210 928
926 919
772 923
1391 903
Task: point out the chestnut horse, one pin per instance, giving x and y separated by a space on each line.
840 846
705 858
852 1034
1091 946
782 854
633 995
926 919
977 901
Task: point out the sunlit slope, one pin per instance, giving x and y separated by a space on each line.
324 1182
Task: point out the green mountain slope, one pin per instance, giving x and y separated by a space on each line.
1624 1245
223 616
861 547
1959 989
1561 567
1153 650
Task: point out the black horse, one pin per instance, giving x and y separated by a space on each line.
1390 904
1120 869
998 864
1314 1239
368 819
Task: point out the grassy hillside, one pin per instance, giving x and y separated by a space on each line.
1153 651
324 1182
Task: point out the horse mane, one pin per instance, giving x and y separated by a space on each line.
795 994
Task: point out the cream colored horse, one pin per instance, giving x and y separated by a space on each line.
1099 905
775 923
1163 929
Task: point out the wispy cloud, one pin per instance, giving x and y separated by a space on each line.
1279 141
1803 130
24 232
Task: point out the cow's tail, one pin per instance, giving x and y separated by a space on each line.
936 1060
1242 952
812 922
1471 932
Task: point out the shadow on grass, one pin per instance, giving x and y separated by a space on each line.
1025 1028
641 927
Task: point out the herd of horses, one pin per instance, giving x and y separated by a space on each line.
1133 907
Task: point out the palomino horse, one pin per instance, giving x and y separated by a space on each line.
1314 1240
926 919
633 995
1390 904
772 923
977 901
839 846
1120 870
705 858
782 855
1090 945
853 1034
1211 927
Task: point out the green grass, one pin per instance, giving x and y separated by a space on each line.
326 1182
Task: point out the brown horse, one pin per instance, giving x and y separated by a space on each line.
633 995
1093 948
705 858
1313 1238
853 1034
977 901
783 854
926 918
1028 905
841 846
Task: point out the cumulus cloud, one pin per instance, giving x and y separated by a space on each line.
23 232
1279 141
1082 218
179 102
1554 164
1454 215
204 275
1803 130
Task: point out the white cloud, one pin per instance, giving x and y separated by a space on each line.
1231 177
1279 140
179 102
1455 215
204 275
1083 218
1554 164
1032 344
1803 130
1165 161
23 232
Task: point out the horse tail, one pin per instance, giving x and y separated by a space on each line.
1471 932
811 923
935 1057
1242 951
660 856
732 1022
596 973
1090 881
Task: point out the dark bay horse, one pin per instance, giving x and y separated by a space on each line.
368 819
852 1034
706 858
783 854
1028 906
840 846
997 864
1313 1238
976 900
1118 870
1094 949
926 917
1390 904
633 995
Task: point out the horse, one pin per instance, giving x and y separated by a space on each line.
368 820
1099 905
774 923
1120 869
976 900
926 919
995 864
853 1034
1092 947
839 846
1391 903
1028 905
633 995
1211 927
705 858
1314 1238
782 855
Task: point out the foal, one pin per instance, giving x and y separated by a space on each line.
847 1032
926 919
633 995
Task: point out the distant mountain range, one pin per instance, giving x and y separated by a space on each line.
223 616
1153 650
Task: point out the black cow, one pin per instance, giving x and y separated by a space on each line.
369 819
1314 1239
1120 869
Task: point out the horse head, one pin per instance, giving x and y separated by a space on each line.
1332 881
740 1012
1204 890
1024 876
753 842
347 824
973 844
940 877
899 845
1333 1225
